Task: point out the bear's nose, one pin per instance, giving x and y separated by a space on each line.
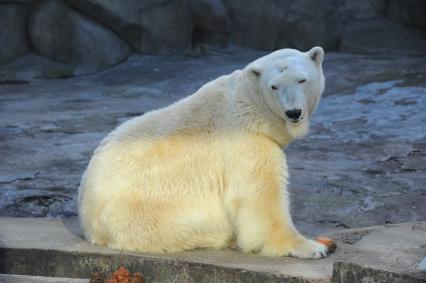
293 114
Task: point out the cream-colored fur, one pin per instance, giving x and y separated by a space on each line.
207 171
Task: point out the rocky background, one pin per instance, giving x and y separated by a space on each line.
103 33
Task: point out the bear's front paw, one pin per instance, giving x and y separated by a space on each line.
310 249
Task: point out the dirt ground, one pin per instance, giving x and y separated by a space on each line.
363 163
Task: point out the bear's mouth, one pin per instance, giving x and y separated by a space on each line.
295 121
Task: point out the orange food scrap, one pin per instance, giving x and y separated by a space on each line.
121 275
329 243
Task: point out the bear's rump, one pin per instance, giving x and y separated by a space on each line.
165 225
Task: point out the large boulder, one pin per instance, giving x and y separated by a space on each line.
211 23
13 34
20 1
62 34
256 25
351 10
148 26
380 36
271 24
308 23
410 12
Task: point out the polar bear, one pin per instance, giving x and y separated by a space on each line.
208 171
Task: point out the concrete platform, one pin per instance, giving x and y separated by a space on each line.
55 248
13 278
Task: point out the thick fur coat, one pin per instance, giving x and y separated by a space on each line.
208 171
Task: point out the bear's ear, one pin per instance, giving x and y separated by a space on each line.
316 54
253 73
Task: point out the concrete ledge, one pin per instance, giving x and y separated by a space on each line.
351 272
54 247
13 278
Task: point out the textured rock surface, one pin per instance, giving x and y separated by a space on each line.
411 13
363 163
301 24
99 33
288 23
12 278
13 34
211 23
378 36
308 23
356 10
61 34
148 26
31 2
350 272
256 26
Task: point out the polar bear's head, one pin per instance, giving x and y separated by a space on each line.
291 83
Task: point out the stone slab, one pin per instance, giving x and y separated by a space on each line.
422 264
13 278
55 247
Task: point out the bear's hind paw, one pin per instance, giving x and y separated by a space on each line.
310 249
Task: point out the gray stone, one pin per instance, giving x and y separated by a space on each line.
210 15
349 272
148 26
13 278
63 35
422 264
41 68
256 26
54 247
303 24
309 23
279 24
410 13
213 38
13 35
378 36
32 2
355 10
211 23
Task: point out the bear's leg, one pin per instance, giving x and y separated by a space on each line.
264 226
263 221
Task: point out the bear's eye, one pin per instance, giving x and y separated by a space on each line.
274 87
302 81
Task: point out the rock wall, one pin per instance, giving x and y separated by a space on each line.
102 33
62 34
13 37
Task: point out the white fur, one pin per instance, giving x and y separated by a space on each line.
207 171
